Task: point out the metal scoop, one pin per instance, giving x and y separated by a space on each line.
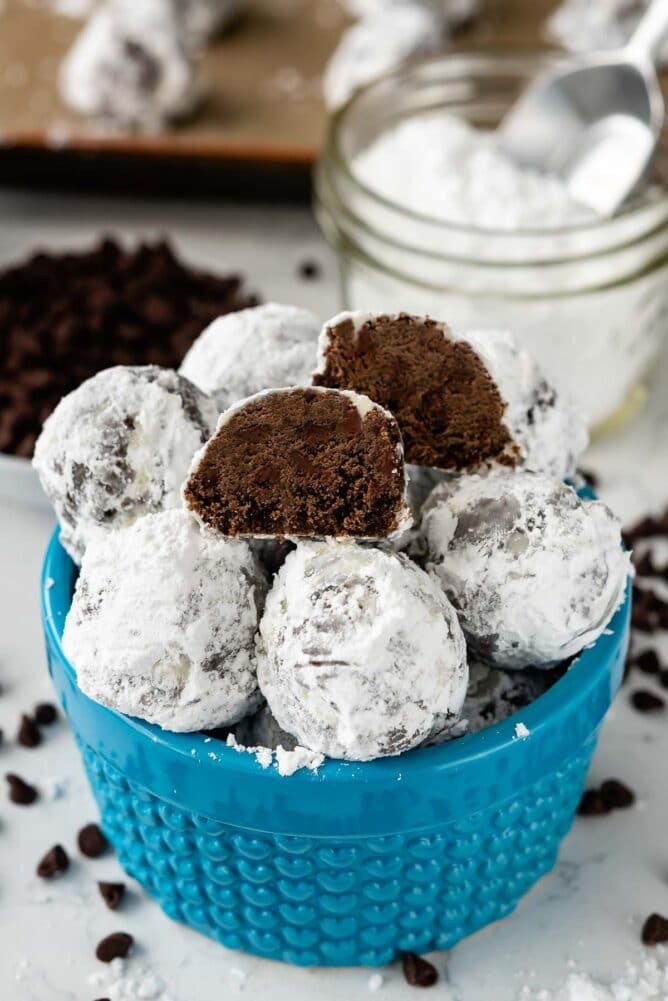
594 121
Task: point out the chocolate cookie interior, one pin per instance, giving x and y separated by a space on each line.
301 462
448 406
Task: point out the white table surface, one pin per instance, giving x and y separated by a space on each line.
612 871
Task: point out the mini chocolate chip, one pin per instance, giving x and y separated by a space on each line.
54 862
112 894
20 792
418 971
309 270
45 714
28 735
664 678
114 946
648 662
92 842
593 804
655 930
647 702
590 478
645 566
617 795
645 528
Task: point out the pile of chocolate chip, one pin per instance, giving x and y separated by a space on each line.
64 317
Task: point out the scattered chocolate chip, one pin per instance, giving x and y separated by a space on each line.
112 894
92 842
590 478
45 714
593 804
645 566
655 930
66 316
19 791
648 662
645 528
114 946
28 735
664 678
647 702
54 862
617 795
418 971
309 270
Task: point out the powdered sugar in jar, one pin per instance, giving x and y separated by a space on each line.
428 216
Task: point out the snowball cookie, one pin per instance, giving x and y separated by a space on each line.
463 401
534 572
242 353
378 44
130 68
302 462
119 447
262 730
163 624
360 653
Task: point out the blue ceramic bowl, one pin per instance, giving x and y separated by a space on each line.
361 861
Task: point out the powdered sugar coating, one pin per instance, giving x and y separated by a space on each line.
243 353
119 446
550 430
378 44
129 67
534 572
163 622
360 653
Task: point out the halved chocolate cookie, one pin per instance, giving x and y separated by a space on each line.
462 401
302 462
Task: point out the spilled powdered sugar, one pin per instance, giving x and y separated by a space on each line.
287 761
644 980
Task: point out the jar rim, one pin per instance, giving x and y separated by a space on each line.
653 195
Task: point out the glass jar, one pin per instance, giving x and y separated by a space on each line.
589 300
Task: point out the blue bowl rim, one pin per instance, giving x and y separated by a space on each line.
559 722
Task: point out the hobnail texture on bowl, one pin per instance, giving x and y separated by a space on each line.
361 861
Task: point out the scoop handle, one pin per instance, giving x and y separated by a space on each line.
651 32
